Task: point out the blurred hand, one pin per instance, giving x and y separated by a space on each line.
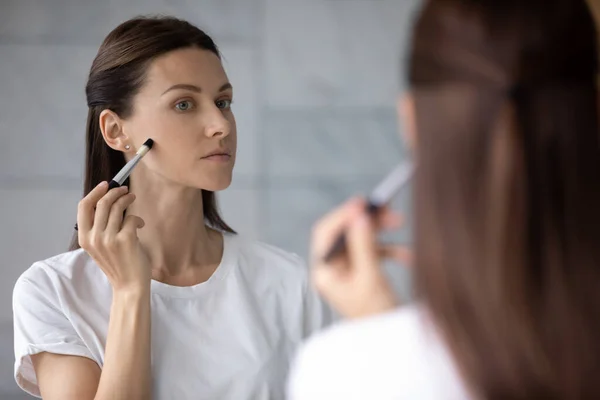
354 283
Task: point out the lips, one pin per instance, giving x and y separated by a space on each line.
218 153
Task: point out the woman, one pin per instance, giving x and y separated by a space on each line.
503 112
164 302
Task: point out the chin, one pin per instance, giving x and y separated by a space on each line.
215 185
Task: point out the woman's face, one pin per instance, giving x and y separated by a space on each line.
185 107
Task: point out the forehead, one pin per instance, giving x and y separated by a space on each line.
190 65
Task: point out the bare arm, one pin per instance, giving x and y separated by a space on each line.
66 377
126 371
113 243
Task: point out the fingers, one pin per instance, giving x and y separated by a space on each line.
130 225
400 254
327 279
327 230
362 247
104 206
330 227
85 210
387 220
115 218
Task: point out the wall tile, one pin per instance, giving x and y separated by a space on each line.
335 53
43 110
54 22
331 144
36 224
233 20
88 22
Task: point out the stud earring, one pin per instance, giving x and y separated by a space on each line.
127 147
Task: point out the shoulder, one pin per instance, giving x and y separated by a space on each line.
50 275
261 251
261 257
371 337
66 264
392 355
46 298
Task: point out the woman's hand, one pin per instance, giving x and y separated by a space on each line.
354 283
111 241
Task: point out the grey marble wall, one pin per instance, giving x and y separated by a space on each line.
315 80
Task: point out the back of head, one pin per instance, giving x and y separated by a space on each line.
508 192
117 74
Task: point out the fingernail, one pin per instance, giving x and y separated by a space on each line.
103 183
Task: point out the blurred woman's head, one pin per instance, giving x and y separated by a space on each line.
508 191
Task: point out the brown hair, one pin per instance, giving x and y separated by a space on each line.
507 192
116 76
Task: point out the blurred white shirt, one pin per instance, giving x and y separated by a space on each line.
397 355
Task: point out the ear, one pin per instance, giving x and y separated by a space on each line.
407 119
111 126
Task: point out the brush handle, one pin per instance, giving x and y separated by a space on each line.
339 246
111 185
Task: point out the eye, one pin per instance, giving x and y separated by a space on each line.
183 105
224 104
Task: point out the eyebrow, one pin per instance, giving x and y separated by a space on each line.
194 88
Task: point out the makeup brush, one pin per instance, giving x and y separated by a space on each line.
379 197
124 173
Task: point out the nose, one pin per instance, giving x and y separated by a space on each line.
216 124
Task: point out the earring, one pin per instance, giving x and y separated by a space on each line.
127 147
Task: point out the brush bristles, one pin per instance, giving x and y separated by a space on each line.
149 143
145 147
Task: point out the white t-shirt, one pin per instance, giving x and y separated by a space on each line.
231 337
397 355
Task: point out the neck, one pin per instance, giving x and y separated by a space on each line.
180 247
